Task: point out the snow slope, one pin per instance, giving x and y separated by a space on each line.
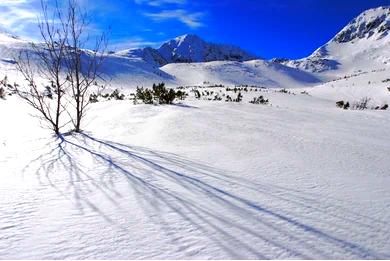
374 84
256 72
201 180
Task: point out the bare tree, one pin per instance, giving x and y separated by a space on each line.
62 61
83 67
44 65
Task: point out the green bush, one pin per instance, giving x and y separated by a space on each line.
93 98
145 96
117 95
2 93
259 100
159 94
343 105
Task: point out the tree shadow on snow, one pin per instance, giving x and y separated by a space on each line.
241 217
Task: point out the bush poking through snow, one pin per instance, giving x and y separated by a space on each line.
116 95
144 95
342 105
259 100
2 93
383 107
48 92
285 91
93 98
181 95
162 95
362 104
159 94
197 94
239 97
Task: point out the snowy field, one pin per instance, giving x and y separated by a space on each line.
198 180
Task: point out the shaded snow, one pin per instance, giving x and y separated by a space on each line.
298 179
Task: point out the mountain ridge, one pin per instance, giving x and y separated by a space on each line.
189 48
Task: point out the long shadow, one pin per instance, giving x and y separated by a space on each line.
210 205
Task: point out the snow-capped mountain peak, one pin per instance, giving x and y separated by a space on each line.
373 23
189 48
363 43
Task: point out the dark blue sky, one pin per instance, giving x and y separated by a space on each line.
268 28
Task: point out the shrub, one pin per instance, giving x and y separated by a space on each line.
362 104
343 105
239 97
145 96
2 93
168 97
181 95
259 100
160 94
48 92
197 94
93 98
117 95
340 104
384 107
217 98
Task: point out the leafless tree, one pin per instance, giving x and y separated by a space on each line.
62 60
83 67
42 66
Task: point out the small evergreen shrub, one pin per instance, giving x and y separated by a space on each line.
343 105
384 107
340 104
259 100
93 98
159 94
48 92
116 95
2 93
239 97
197 94
144 95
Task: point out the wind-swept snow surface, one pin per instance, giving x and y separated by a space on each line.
200 180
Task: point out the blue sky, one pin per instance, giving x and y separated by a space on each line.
268 28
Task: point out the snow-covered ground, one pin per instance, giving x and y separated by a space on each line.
298 178
202 179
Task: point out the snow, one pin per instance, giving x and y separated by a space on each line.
188 48
298 178
256 72
203 180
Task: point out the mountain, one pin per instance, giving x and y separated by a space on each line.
362 47
189 48
363 43
143 67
